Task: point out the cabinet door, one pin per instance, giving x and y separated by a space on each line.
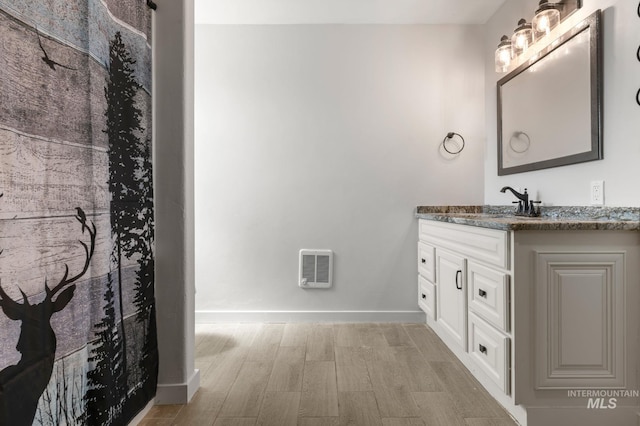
451 309
580 320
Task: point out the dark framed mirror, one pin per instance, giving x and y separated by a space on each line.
550 107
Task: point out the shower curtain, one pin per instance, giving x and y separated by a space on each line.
77 320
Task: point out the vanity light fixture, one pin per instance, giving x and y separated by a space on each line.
503 55
547 17
522 37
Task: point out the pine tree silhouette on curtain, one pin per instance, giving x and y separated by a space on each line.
132 229
103 399
145 278
123 127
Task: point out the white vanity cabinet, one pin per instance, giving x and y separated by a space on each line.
535 314
472 296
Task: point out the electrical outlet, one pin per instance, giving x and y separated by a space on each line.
597 193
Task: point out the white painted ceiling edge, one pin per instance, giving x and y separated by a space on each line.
261 12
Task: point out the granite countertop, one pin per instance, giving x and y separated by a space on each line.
563 218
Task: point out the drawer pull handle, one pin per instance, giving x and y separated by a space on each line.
424 260
424 296
482 348
459 282
482 293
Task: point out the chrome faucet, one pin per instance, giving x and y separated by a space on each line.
525 207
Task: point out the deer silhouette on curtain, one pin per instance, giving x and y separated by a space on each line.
25 382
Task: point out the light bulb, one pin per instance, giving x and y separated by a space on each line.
542 26
522 37
546 18
503 55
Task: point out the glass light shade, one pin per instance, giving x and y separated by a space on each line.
503 55
522 38
546 18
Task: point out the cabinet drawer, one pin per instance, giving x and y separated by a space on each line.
426 261
490 349
484 244
427 297
488 294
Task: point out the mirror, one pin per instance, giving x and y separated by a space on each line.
549 108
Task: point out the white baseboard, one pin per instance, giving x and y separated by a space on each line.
178 393
208 317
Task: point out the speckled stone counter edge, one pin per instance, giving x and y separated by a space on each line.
450 209
552 218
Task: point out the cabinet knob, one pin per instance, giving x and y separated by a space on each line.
424 260
482 293
482 348
459 284
424 296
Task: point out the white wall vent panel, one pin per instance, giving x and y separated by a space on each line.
316 269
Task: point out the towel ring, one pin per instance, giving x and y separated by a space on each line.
450 136
517 135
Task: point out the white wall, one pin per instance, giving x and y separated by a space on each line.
327 136
569 185
173 181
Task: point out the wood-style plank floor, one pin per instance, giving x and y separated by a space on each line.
329 375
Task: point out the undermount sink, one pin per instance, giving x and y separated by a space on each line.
525 217
484 216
